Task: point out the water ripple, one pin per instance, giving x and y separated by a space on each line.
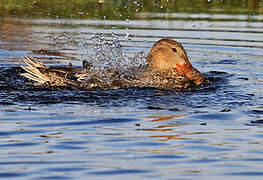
212 131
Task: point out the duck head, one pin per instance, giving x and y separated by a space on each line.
168 55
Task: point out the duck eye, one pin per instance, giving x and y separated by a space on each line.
174 49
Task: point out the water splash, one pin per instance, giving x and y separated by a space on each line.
107 56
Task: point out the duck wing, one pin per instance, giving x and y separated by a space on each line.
44 75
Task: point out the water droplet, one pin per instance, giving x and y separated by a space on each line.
127 36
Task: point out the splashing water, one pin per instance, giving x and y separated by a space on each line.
107 56
104 54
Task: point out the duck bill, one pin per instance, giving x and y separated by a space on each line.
187 70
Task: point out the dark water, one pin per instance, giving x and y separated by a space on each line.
209 132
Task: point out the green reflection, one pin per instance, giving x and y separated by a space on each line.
124 9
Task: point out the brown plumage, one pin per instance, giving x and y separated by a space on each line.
167 67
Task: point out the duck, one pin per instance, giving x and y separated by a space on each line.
167 67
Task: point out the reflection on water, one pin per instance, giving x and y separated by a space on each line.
208 132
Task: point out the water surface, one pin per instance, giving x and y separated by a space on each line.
137 133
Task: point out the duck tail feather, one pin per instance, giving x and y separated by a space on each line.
30 61
34 78
33 72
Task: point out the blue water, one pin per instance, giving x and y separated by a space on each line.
209 132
